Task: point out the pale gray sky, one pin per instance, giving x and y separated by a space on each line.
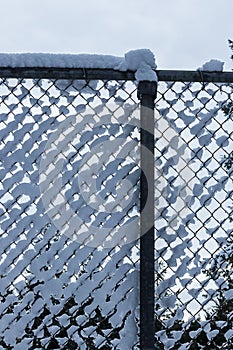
183 34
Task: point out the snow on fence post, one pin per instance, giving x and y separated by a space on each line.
147 94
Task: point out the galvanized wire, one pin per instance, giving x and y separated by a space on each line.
194 236
59 292
56 291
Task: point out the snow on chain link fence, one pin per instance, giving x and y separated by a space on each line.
59 291
70 212
194 281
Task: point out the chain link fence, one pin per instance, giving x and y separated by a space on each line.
58 290
70 213
194 300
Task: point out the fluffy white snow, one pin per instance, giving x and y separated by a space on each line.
212 66
135 58
58 60
229 334
141 61
229 294
144 72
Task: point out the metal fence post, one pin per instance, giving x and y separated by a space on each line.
147 94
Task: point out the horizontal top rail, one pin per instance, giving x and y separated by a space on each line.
111 74
195 76
65 73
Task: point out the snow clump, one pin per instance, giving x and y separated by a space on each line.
212 66
141 61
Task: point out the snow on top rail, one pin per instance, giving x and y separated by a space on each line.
50 60
141 62
212 66
135 65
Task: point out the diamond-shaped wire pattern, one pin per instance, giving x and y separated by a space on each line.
69 279
194 296
60 291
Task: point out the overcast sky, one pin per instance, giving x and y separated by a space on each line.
183 34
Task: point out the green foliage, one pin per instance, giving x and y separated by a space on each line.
231 46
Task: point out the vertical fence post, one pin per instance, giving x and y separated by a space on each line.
147 94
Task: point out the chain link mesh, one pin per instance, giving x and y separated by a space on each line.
58 292
194 300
